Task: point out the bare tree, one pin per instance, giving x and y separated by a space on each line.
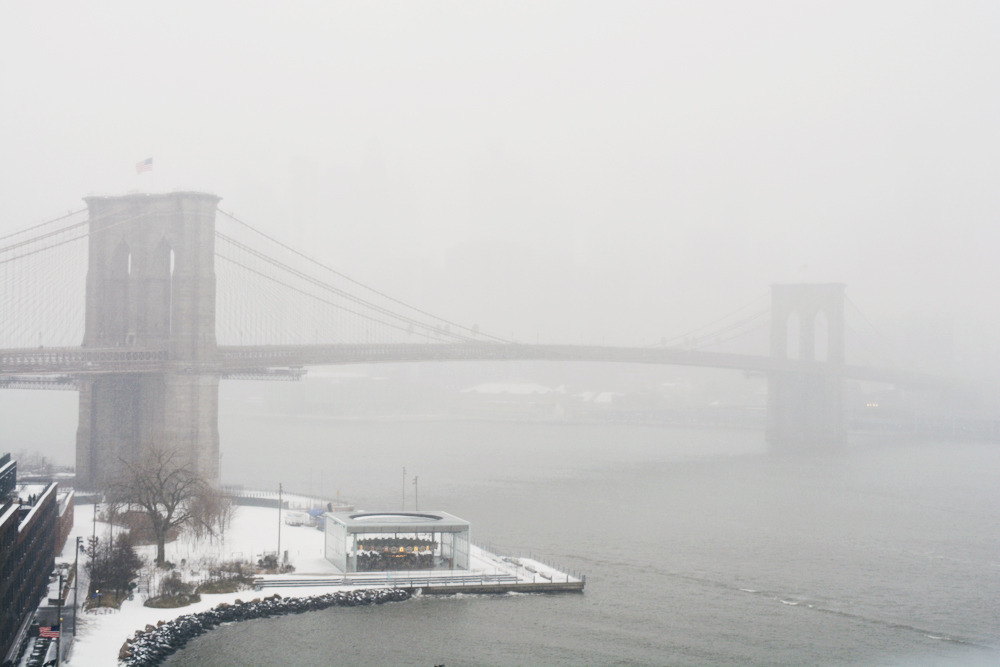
165 487
213 513
113 568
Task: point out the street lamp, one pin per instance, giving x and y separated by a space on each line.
277 560
76 579
59 618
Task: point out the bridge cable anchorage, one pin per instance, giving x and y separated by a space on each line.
383 295
42 224
752 303
330 288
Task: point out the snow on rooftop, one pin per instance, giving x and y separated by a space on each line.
26 490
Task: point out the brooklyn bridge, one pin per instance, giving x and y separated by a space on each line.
172 304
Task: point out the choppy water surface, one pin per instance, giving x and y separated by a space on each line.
699 546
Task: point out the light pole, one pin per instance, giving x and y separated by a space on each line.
76 580
404 488
416 494
278 559
59 618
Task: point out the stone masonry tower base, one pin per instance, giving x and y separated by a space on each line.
150 287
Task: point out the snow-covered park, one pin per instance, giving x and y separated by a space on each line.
253 532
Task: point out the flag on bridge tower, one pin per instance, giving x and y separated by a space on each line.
145 165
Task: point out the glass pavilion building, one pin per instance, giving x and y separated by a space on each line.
381 541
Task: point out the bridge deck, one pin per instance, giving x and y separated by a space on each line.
257 360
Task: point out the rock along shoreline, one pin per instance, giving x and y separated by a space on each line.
152 645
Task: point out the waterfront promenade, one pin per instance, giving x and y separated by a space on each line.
253 533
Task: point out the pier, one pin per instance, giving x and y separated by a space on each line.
489 573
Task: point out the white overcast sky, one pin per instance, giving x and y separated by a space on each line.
560 171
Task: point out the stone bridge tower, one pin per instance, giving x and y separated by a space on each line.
805 405
150 286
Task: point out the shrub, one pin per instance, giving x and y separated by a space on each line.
172 601
268 562
220 586
174 586
235 569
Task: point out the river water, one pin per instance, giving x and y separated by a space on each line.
699 546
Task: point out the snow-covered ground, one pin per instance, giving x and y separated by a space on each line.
254 531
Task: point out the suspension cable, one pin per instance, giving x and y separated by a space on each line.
89 232
42 224
366 316
355 282
725 317
735 325
737 334
36 239
325 286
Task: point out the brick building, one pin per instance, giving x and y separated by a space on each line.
28 537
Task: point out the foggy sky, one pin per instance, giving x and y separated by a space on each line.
557 171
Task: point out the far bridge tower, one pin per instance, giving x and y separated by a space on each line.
805 405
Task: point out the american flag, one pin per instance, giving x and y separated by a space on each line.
52 632
145 165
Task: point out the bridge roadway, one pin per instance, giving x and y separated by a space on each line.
16 365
